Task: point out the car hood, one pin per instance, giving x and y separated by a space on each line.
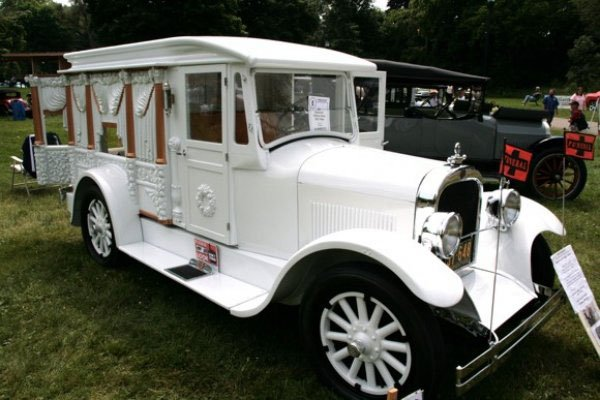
367 171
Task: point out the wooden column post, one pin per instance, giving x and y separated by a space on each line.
38 125
159 111
130 125
70 126
89 116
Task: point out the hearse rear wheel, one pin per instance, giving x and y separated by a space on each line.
97 229
365 334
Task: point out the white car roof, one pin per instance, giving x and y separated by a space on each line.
187 50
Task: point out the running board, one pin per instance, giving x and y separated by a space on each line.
221 289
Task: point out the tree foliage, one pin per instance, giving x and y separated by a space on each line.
293 21
516 42
584 57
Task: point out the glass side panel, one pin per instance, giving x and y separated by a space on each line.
241 128
203 94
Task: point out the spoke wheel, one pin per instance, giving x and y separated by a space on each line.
366 335
548 181
97 229
365 343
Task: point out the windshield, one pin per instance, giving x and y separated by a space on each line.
296 104
440 101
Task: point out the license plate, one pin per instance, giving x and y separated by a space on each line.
463 255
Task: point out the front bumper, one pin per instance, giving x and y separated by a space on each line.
488 361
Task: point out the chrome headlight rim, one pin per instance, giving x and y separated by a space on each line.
504 206
441 233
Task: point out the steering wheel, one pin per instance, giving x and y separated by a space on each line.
445 108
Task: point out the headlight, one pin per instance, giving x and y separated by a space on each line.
441 233
505 208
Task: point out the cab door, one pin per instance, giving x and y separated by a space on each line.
203 160
369 91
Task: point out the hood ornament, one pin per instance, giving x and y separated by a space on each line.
456 159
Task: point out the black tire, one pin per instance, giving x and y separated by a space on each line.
542 269
546 179
97 229
413 336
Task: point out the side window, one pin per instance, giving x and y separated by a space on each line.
203 92
397 99
241 128
366 91
110 142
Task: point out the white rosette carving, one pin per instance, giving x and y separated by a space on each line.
206 200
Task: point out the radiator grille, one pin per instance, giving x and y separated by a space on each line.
462 198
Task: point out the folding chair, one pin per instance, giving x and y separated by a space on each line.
26 166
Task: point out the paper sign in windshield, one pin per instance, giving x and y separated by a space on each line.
318 113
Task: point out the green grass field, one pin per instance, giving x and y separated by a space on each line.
70 329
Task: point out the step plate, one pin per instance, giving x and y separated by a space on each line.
186 272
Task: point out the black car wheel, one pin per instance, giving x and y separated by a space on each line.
547 179
366 334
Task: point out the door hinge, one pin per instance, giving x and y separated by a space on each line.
226 157
225 81
228 226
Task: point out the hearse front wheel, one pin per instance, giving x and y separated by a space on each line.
366 334
97 229
547 179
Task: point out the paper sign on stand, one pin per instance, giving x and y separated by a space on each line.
579 293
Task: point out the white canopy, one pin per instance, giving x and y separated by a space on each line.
187 50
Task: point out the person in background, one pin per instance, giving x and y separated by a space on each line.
577 122
550 105
579 97
533 97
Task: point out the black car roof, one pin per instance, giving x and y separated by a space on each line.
426 75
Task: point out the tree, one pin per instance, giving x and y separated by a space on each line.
34 25
293 21
585 54
396 4
352 26
526 40
114 21
585 59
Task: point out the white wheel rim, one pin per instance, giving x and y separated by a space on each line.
99 228
365 343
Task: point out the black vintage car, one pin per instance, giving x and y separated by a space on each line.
429 110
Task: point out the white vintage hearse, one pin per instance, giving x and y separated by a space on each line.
233 166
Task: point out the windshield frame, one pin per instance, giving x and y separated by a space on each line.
348 119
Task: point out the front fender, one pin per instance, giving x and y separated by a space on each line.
516 242
421 271
112 181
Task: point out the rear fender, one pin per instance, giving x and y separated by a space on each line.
112 182
552 142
